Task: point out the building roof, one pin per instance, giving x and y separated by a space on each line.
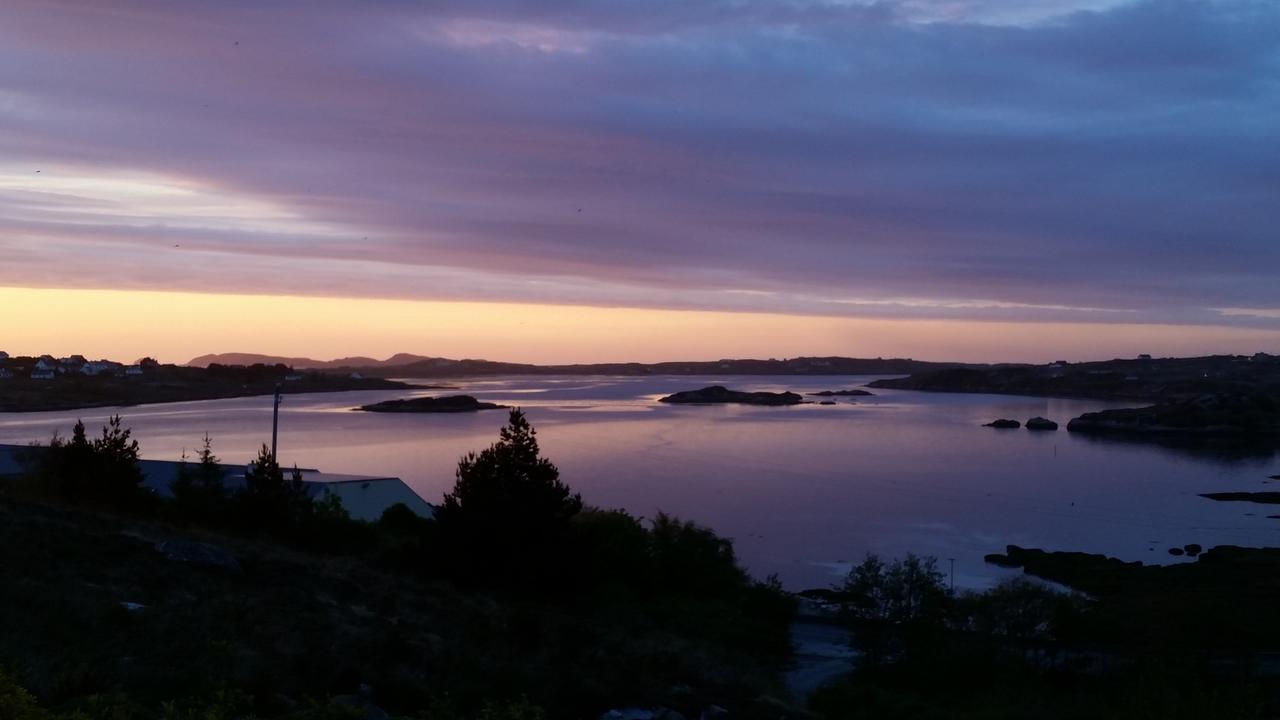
158 476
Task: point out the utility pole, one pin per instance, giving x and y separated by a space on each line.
275 424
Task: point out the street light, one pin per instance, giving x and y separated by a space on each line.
275 424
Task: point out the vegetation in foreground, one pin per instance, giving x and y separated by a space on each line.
1183 641
518 603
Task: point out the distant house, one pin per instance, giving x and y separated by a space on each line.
41 374
293 378
356 376
98 367
46 363
5 374
73 361
133 371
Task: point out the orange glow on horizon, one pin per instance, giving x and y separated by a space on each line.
175 327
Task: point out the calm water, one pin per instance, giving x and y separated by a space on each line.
802 490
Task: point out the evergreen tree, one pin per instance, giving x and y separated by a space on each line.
74 463
115 463
268 498
201 491
508 511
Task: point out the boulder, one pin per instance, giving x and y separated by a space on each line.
1004 424
363 708
198 553
1192 549
1177 552
1039 423
634 713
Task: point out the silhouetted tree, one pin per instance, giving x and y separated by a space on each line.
102 471
115 461
201 491
269 499
693 559
74 463
894 608
508 510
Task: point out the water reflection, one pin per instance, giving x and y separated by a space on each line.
804 491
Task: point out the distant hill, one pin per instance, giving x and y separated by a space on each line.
304 363
406 365
443 367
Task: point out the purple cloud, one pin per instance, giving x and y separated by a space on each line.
984 159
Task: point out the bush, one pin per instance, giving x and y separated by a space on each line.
894 608
102 472
16 703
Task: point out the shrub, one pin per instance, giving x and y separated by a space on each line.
16 703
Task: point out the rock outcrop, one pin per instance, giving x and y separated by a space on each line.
721 394
449 404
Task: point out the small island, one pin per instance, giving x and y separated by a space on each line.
721 394
448 404
842 393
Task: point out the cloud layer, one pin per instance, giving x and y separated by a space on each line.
991 159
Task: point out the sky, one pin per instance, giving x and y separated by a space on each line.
594 180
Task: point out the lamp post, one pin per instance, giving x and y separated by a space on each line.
275 424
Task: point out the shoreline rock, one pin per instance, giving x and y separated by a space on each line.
1004 424
1039 423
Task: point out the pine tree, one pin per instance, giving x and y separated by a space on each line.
268 498
508 509
115 460
201 491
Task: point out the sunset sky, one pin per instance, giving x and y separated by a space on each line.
619 180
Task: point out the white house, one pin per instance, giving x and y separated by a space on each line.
41 374
98 367
46 364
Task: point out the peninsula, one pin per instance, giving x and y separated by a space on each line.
46 383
